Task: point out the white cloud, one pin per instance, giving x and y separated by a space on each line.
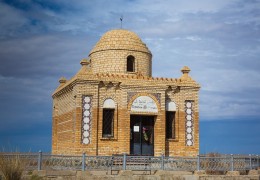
218 40
11 20
193 38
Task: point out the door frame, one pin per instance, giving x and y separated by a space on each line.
139 119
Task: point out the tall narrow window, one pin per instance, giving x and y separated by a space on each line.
130 66
170 120
108 119
170 125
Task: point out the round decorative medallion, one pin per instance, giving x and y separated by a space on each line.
188 104
188 111
188 123
86 113
188 117
86 106
87 99
189 142
189 130
86 127
86 140
86 134
86 120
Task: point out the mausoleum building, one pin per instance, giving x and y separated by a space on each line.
114 105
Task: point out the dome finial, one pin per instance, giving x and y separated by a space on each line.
121 19
62 80
185 70
84 62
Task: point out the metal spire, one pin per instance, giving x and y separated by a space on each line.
121 19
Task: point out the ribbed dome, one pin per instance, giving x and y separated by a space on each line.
120 39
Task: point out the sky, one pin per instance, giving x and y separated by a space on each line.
41 41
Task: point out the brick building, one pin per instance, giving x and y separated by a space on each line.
113 105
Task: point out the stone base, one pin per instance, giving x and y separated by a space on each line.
162 172
39 173
83 174
233 173
131 175
199 173
126 173
254 172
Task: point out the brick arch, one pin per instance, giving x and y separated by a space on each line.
127 54
143 94
168 100
108 97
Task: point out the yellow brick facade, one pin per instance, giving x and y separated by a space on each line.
105 76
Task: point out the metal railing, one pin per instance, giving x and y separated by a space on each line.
42 161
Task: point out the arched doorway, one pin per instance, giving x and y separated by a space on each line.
142 120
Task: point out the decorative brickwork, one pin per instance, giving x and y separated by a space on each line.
86 119
189 123
114 47
78 123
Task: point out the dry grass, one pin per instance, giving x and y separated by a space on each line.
211 163
11 167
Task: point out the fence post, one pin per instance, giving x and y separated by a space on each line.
257 161
40 160
124 161
83 168
198 162
232 162
162 162
250 156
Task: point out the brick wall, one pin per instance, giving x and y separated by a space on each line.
104 76
99 61
67 124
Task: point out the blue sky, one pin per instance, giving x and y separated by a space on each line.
40 41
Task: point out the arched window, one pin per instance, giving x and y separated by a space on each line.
130 66
108 118
170 120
